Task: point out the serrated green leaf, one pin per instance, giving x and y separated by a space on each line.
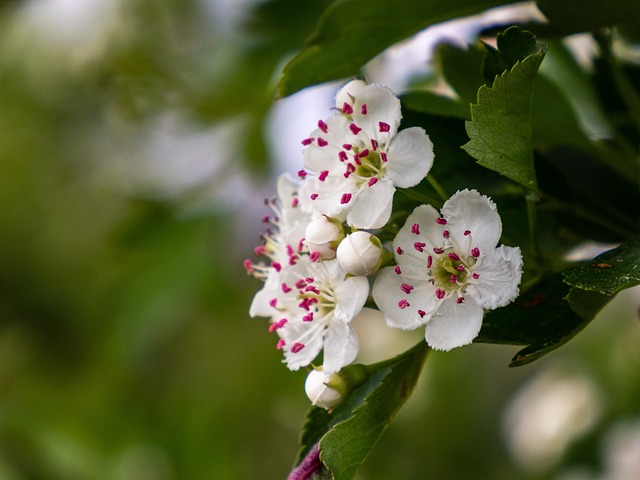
500 130
346 446
610 272
544 318
514 45
352 32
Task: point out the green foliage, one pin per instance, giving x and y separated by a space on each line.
352 32
500 129
348 434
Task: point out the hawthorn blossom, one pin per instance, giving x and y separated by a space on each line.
357 157
311 310
449 271
283 242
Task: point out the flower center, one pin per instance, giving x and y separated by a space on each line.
450 274
368 162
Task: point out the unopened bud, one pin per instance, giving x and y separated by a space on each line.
360 253
323 236
318 390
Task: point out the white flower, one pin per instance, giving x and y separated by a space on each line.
282 244
357 158
359 253
448 271
311 310
318 390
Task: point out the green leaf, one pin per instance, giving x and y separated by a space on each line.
543 319
589 15
500 130
432 103
609 272
345 447
352 32
348 434
462 69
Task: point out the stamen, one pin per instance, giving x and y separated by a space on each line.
397 270
402 304
323 175
362 154
296 347
273 302
438 251
346 108
441 221
363 110
286 288
302 173
342 155
281 343
313 196
406 288
260 250
322 142
374 144
294 202
313 289
440 293
372 181
384 127
415 228
354 129
453 279
277 325
429 261
460 268
454 256
475 252
307 141
460 300
467 232
248 266
419 246
475 276
314 256
347 146
445 233
399 251
308 317
277 266
422 313
300 284
383 156
346 198
323 126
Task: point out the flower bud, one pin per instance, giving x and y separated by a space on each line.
360 253
323 236
326 390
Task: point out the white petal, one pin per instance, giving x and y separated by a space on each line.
319 158
387 294
381 106
468 210
260 304
454 325
351 296
329 194
310 335
340 347
349 92
424 216
500 273
371 207
410 157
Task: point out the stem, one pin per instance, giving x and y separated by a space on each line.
437 187
420 197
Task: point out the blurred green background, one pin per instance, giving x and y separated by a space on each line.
133 161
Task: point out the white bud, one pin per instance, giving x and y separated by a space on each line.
319 392
360 253
322 236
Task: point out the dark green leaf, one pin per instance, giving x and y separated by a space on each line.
544 318
462 69
429 102
352 32
514 45
346 446
588 15
610 272
500 132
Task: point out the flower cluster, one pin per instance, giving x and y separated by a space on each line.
321 252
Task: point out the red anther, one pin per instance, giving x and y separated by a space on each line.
296 347
281 343
402 304
313 196
438 251
460 268
460 300
276 266
260 250
314 256
307 141
322 142
441 221
347 146
429 261
399 251
346 198
422 313
362 154
383 156
354 129
323 175
308 317
342 155
397 270
294 202
475 252
475 276
248 266
372 181
406 288
415 228
273 302
445 233
346 108
302 173
384 127
419 246
363 109
453 279
454 256
286 288
374 144
323 126
440 294
467 232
